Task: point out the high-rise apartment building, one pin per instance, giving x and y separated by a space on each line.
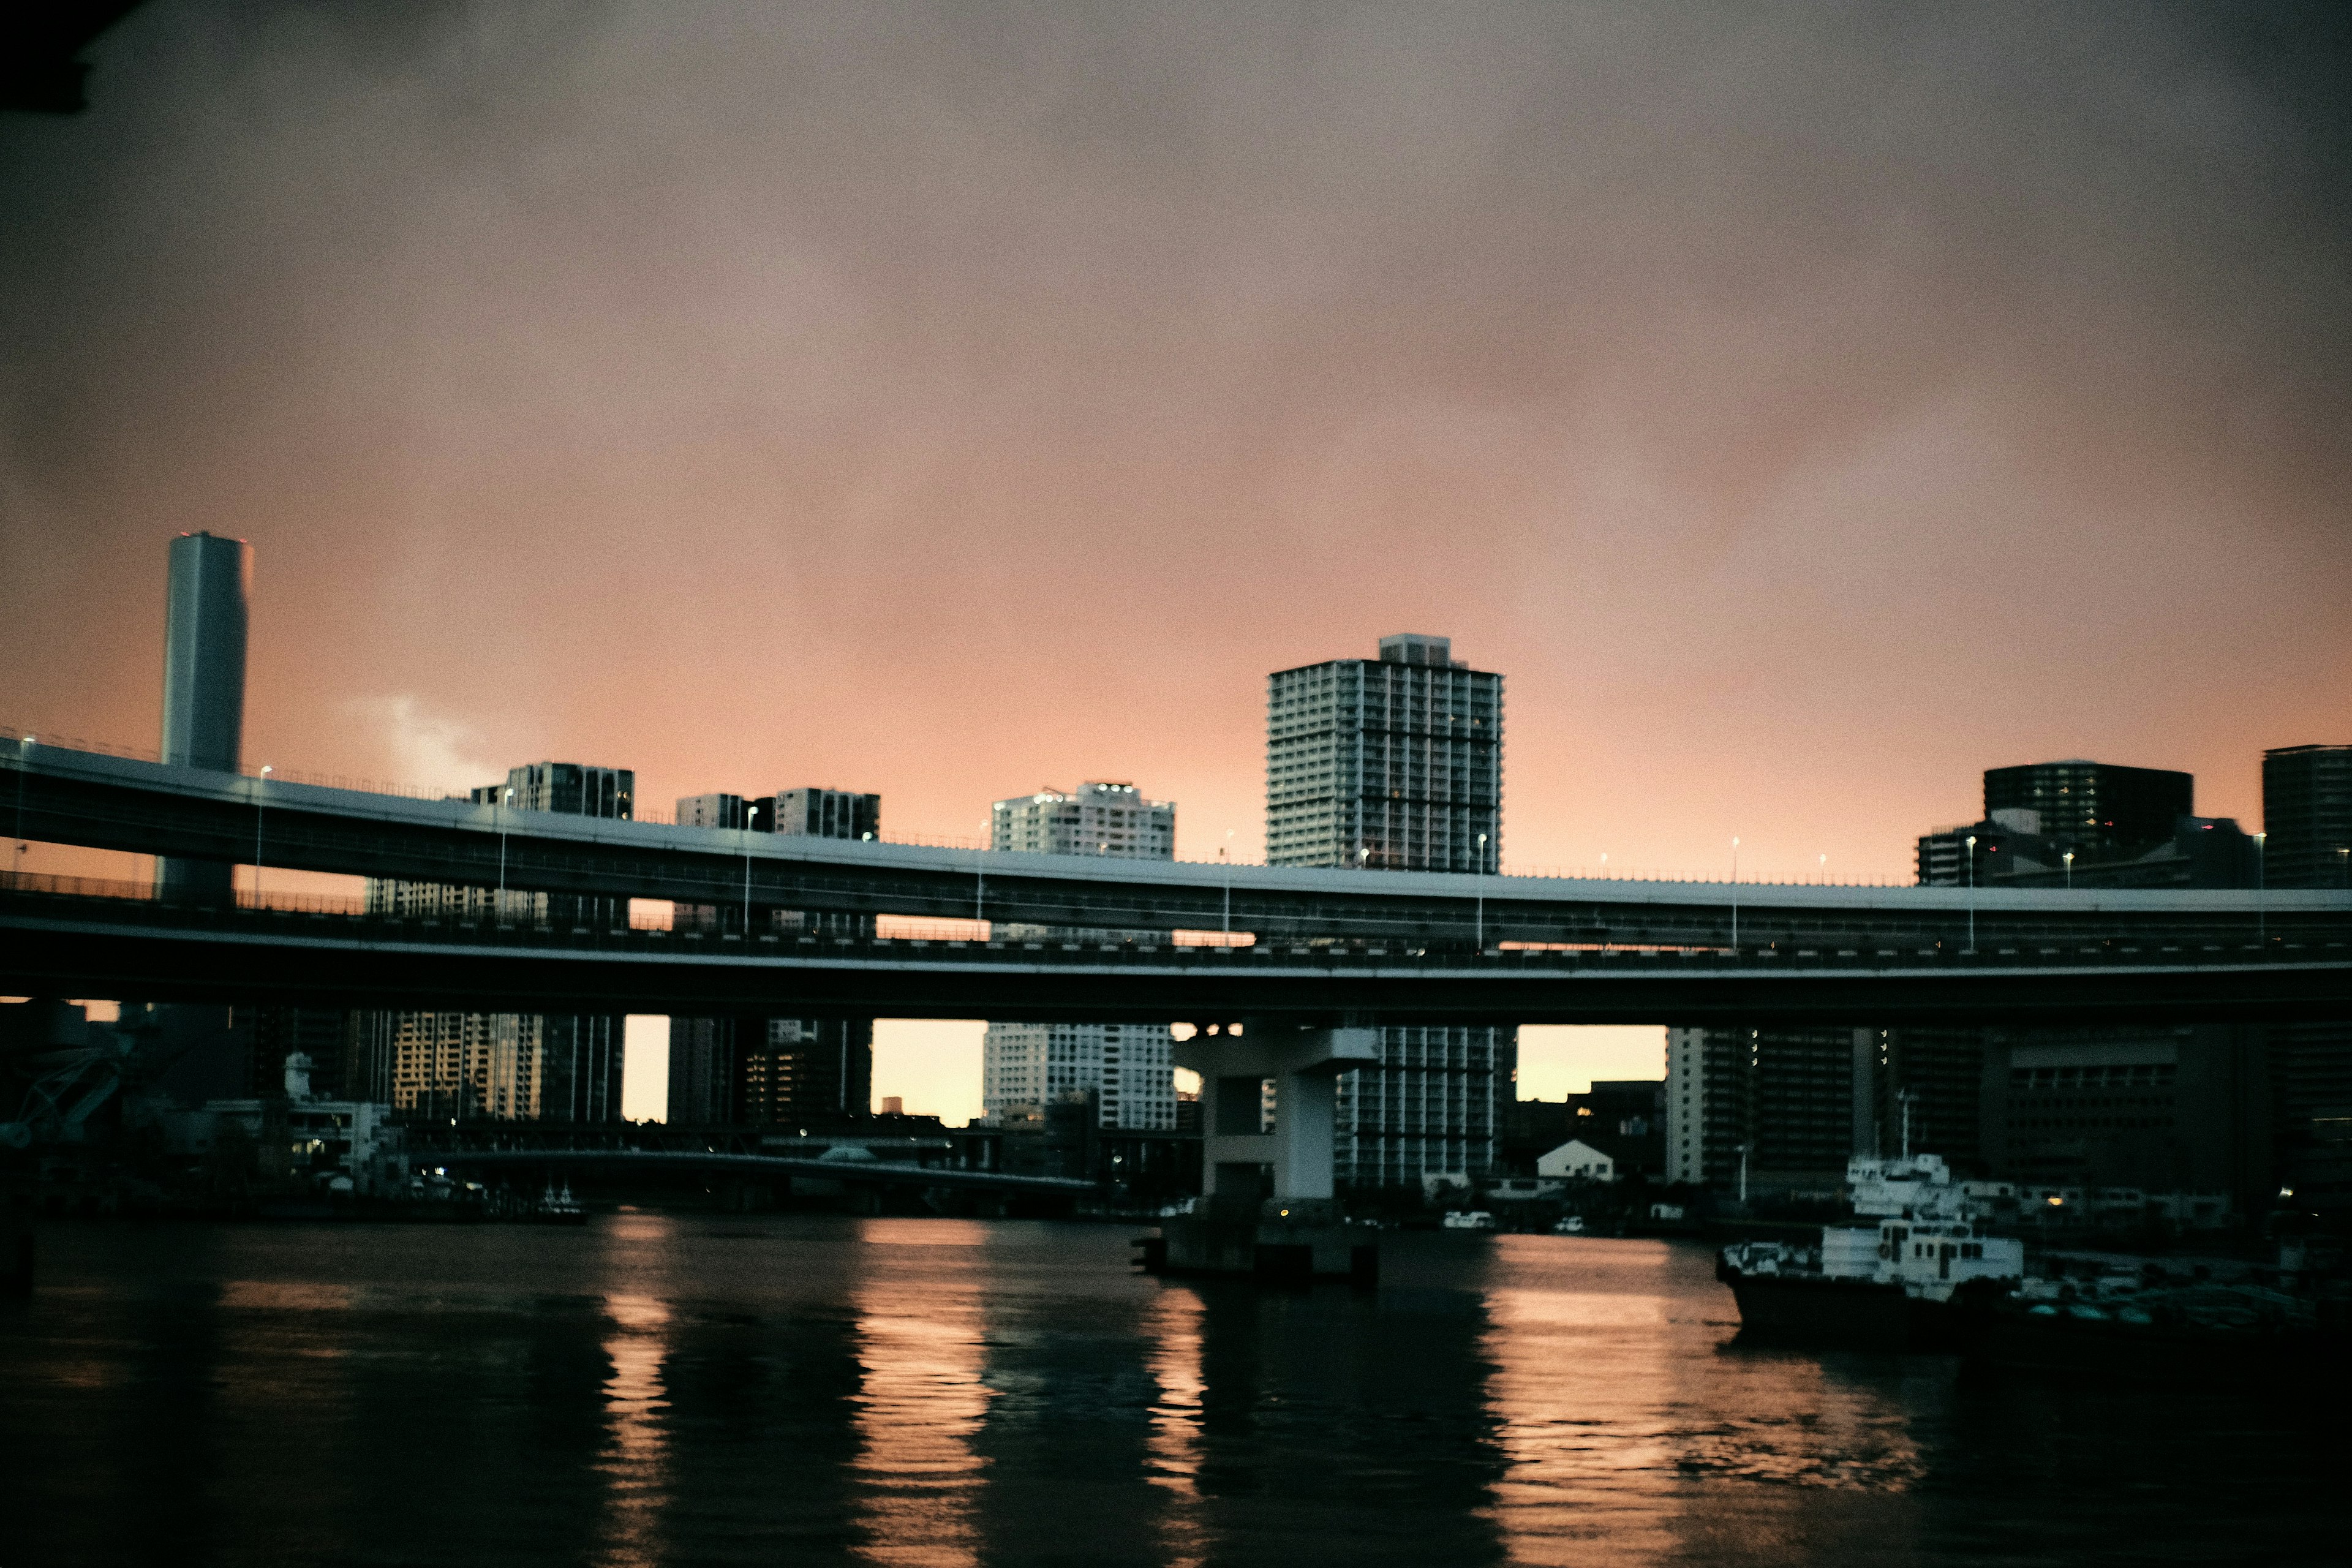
2307 816
1396 763
203 681
504 1066
1780 1108
2098 809
768 1071
1387 764
1126 1070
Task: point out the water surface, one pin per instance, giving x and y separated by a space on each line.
661 1389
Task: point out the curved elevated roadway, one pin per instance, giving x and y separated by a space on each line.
108 801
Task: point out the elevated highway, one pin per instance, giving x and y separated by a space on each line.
54 943
91 798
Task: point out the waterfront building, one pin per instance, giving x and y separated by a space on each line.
1776 1110
505 1066
312 1141
2307 816
1396 763
1124 1068
1123 1073
734 1070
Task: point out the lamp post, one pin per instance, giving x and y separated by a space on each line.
980 871
2069 859
260 809
1972 892
2262 888
1225 853
1482 892
23 758
504 803
750 815
1735 930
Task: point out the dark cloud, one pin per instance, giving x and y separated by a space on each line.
1807 408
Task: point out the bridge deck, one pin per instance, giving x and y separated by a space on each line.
54 944
107 801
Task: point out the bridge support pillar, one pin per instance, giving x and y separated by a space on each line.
1267 1206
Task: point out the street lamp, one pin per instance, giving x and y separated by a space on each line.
1972 892
750 815
23 756
2262 881
1225 853
500 807
1482 892
260 807
2069 859
1735 907
980 871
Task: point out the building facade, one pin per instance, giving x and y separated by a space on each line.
203 681
1124 1068
1773 1110
1387 763
1396 763
1098 817
1123 1073
503 1065
2098 809
2307 816
727 1070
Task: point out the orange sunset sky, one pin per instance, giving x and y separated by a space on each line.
946 402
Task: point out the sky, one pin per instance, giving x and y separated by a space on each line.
1804 408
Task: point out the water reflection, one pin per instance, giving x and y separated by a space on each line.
633 1461
1174 1445
941 1393
921 1402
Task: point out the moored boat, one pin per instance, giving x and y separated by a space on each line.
1891 1286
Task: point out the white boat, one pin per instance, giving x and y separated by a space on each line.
1888 1285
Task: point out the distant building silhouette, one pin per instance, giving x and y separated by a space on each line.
505 1066
204 682
731 1069
2307 814
2098 810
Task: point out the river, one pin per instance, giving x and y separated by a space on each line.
929 1394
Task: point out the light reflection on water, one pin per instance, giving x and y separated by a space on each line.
938 1393
632 1462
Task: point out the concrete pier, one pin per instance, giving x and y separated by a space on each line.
1267 1208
